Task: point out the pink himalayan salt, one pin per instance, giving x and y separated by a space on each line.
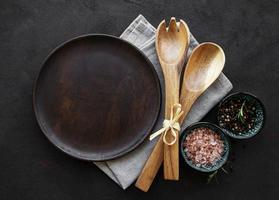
203 146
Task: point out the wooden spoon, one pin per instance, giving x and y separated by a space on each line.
203 68
172 45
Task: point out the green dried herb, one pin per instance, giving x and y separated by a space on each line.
211 176
226 168
240 114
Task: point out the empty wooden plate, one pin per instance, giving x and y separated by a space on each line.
97 97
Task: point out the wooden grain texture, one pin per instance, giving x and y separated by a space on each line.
97 97
151 167
171 46
203 68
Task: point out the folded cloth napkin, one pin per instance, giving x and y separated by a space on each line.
126 169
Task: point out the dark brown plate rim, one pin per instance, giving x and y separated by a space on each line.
75 154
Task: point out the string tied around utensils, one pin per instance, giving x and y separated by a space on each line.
171 124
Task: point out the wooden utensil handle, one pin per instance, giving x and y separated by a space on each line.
151 167
155 160
171 160
171 154
172 85
187 98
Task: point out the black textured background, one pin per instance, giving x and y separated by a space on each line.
31 168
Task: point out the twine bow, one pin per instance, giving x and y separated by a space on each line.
171 124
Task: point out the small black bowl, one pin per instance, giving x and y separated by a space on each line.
219 163
259 121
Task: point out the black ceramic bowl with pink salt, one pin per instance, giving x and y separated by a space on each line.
204 147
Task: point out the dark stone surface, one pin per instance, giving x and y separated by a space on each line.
32 168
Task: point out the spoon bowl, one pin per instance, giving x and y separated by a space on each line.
203 68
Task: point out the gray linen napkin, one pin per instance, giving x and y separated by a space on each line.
126 169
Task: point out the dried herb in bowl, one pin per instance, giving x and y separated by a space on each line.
237 115
241 115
